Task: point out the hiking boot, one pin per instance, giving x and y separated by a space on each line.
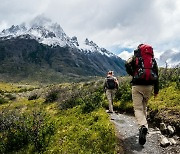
142 135
110 111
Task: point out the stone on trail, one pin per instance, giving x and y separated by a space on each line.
171 130
172 141
163 128
164 141
157 129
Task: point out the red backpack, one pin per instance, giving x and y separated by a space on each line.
144 63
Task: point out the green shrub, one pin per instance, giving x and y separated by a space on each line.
124 93
70 98
3 100
11 96
88 95
169 75
23 90
52 95
90 133
20 130
92 102
168 98
2 92
33 96
70 103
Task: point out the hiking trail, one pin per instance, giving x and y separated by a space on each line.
128 130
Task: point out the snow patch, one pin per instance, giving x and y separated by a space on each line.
125 55
45 31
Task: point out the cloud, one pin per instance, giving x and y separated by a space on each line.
106 22
18 11
3 25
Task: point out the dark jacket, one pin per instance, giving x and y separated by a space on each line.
131 67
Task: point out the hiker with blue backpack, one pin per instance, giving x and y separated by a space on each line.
110 87
143 68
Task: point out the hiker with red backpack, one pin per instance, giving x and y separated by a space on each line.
110 87
144 71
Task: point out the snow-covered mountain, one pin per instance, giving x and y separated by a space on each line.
46 32
42 50
170 57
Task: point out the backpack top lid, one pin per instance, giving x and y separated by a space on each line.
146 49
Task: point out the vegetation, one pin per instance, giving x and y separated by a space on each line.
83 133
70 117
166 107
168 98
19 130
123 97
66 118
167 76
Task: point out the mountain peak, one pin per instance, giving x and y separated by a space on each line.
169 57
47 32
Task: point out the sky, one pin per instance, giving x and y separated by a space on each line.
117 25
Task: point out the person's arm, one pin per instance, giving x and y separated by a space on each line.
156 83
130 64
105 85
156 87
117 83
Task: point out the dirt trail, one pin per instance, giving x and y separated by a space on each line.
128 129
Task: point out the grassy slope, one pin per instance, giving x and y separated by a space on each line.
74 131
168 98
86 132
166 107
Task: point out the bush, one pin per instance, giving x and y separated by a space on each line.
92 102
88 95
52 95
20 130
2 92
70 98
3 100
33 96
169 75
124 93
23 90
11 96
90 133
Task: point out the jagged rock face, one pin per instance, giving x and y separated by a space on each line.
26 49
26 56
40 29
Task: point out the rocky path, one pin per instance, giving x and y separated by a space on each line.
127 127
